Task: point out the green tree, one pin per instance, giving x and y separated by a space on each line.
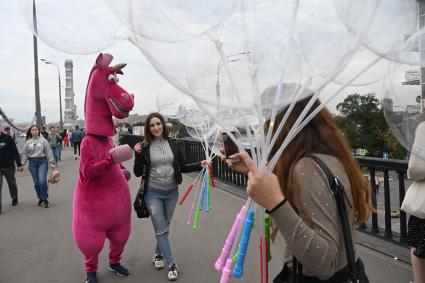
363 124
179 128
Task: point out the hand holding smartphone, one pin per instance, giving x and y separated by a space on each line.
229 147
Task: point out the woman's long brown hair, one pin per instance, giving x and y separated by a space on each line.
320 135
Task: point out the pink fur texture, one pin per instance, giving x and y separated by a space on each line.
102 203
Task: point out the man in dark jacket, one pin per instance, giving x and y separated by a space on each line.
8 156
44 133
76 138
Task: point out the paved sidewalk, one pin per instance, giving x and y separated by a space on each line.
36 243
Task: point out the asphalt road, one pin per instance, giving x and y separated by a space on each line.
36 243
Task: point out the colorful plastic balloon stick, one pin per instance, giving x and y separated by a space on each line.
186 194
221 261
227 271
243 246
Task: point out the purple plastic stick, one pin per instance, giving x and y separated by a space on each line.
227 271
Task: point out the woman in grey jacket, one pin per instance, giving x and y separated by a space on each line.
161 162
38 152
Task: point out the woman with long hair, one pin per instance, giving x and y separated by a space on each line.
298 197
160 161
38 152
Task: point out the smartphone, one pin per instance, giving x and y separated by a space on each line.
229 147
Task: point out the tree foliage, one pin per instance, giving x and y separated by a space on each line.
363 123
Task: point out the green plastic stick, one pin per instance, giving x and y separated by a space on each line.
267 235
195 218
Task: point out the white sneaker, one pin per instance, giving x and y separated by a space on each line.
173 273
75 157
158 261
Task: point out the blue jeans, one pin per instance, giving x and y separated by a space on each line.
56 152
38 168
161 205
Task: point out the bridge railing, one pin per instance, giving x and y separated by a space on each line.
386 166
371 166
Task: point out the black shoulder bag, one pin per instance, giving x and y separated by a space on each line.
354 272
139 202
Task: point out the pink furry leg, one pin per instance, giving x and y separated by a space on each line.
90 242
118 237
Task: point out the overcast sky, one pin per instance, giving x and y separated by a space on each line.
17 97
17 72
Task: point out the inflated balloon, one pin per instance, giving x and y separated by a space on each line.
76 27
404 106
171 20
393 23
331 47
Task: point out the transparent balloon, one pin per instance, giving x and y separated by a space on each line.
171 103
393 24
404 107
171 20
326 44
76 27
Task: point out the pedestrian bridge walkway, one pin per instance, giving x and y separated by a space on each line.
36 243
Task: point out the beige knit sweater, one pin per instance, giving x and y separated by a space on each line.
416 169
319 248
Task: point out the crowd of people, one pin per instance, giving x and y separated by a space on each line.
297 194
42 149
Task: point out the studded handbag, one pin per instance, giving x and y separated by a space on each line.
139 204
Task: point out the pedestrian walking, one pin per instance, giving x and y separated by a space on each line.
9 155
59 137
70 138
38 152
44 133
76 138
160 162
54 140
65 138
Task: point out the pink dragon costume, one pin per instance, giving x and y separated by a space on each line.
102 203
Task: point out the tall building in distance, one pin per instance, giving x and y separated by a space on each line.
70 107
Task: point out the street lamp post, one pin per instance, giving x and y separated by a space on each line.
60 93
39 122
221 64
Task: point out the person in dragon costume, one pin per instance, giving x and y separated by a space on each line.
102 203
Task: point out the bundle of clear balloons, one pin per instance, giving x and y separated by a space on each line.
234 65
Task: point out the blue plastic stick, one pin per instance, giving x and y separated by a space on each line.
207 186
243 246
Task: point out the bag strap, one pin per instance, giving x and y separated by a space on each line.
338 191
